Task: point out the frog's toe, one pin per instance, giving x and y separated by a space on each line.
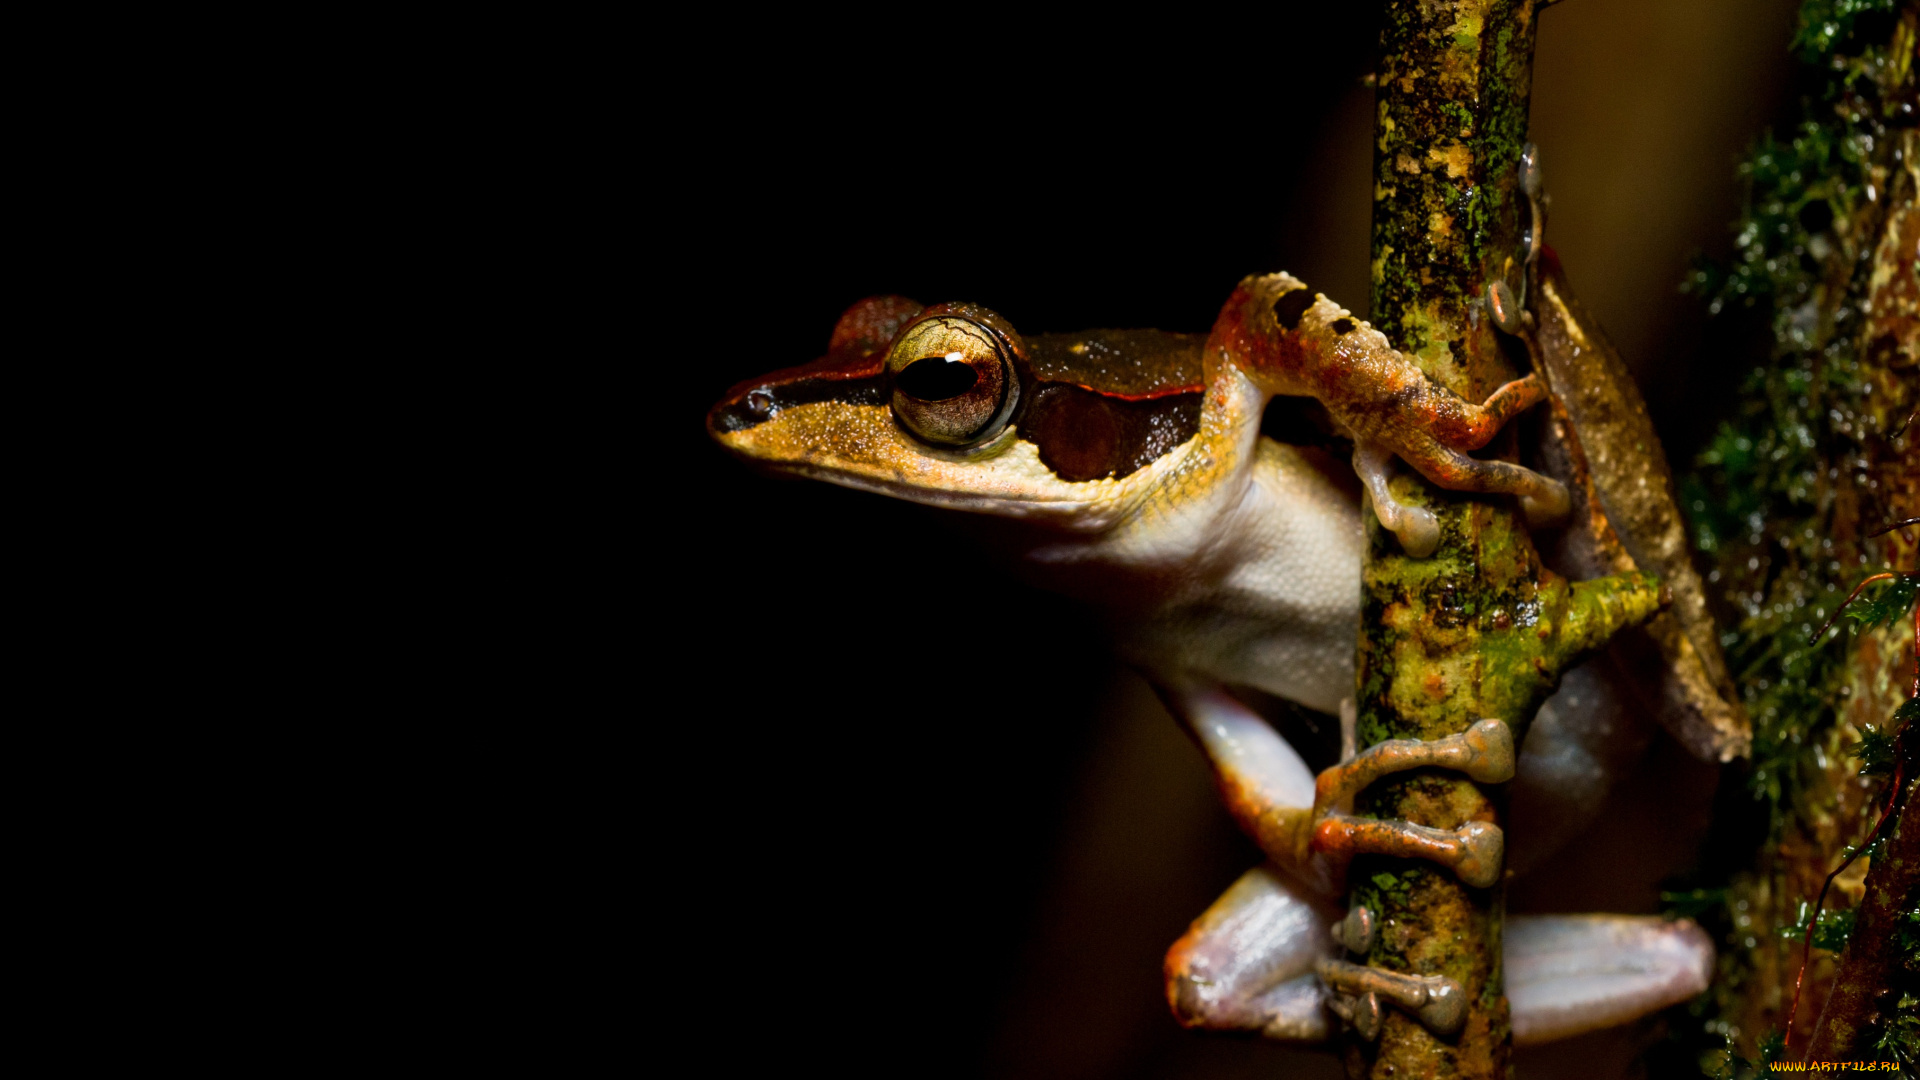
1434 1000
1544 499
1475 852
1416 527
1483 751
1548 506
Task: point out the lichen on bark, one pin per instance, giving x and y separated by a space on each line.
1482 628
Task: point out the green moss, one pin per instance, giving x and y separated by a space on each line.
1781 496
1760 503
1875 751
1831 934
1827 25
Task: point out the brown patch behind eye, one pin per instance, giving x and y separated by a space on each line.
1085 436
1120 363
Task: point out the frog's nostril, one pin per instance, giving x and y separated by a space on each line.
760 403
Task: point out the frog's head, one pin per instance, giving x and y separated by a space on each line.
950 406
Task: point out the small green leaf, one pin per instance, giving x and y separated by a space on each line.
1875 751
1886 602
1832 933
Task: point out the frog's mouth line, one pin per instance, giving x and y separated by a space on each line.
860 446
1091 512
1000 504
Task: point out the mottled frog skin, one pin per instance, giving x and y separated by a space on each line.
1134 463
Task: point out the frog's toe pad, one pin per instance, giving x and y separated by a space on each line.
1549 506
1416 527
1568 974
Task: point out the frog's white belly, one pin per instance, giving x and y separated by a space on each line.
1268 594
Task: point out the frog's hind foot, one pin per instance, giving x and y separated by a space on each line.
1260 960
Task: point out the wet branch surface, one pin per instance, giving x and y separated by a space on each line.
1480 629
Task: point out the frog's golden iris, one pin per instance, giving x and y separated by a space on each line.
952 376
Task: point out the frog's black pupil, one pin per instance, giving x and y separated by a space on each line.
936 378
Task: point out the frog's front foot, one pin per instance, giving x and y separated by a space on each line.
1543 499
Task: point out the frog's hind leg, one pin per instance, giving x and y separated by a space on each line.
1264 782
1544 499
1261 959
1568 974
1247 964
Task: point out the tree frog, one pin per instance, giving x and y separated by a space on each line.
1133 465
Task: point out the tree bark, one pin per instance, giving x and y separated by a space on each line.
1480 629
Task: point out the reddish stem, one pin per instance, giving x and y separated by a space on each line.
1828 625
1806 954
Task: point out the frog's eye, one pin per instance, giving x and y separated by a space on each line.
953 381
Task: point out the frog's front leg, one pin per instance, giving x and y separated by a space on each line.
1262 779
1287 339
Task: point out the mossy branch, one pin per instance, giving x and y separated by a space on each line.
1480 629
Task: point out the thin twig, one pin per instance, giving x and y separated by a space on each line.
1824 627
1806 954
